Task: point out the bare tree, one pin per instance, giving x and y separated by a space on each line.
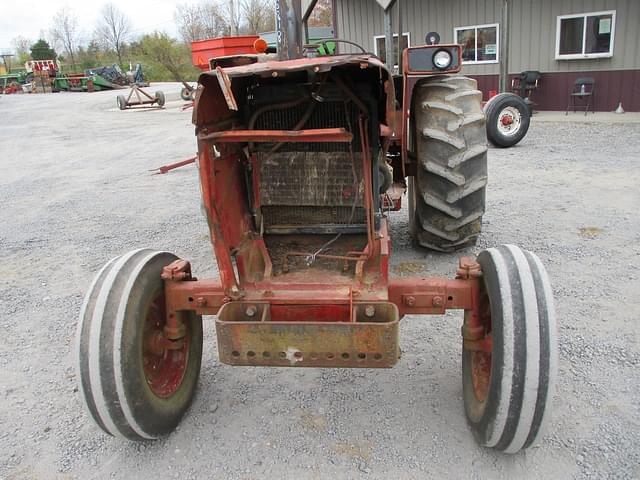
65 31
258 15
322 14
197 22
232 16
214 22
113 29
21 44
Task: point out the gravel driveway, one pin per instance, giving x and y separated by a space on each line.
75 191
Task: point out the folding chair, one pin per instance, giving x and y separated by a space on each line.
583 90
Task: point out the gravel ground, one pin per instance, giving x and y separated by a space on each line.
75 191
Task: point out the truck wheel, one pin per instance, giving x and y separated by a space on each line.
508 390
131 386
508 119
449 193
121 101
160 98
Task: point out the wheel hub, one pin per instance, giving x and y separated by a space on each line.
481 374
480 346
164 360
509 121
506 120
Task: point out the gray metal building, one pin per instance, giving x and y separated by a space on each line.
562 39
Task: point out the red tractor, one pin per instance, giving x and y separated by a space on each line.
300 159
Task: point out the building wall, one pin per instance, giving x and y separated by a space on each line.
532 41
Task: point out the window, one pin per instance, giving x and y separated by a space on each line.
586 35
479 43
380 49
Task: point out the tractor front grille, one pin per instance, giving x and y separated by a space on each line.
311 215
310 184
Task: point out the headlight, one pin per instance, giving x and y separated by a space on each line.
442 59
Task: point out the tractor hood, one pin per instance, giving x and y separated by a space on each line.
221 92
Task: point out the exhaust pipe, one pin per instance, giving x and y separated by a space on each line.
289 29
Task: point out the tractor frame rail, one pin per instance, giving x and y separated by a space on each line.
320 324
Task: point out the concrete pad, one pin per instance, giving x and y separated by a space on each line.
580 117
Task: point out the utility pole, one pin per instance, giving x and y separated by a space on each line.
388 32
289 29
399 3
504 47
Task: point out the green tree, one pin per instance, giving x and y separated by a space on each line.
41 50
168 59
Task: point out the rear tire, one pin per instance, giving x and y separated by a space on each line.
449 193
508 391
130 390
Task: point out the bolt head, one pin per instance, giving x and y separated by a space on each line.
251 311
411 301
437 301
369 311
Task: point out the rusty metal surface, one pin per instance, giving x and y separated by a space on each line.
256 136
317 64
225 86
167 168
366 335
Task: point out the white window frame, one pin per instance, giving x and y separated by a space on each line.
395 35
476 27
583 55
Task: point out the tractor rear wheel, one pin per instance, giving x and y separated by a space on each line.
508 390
449 188
132 384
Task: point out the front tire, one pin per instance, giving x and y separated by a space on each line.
449 193
130 388
508 391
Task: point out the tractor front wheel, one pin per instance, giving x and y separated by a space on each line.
133 383
508 388
449 189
